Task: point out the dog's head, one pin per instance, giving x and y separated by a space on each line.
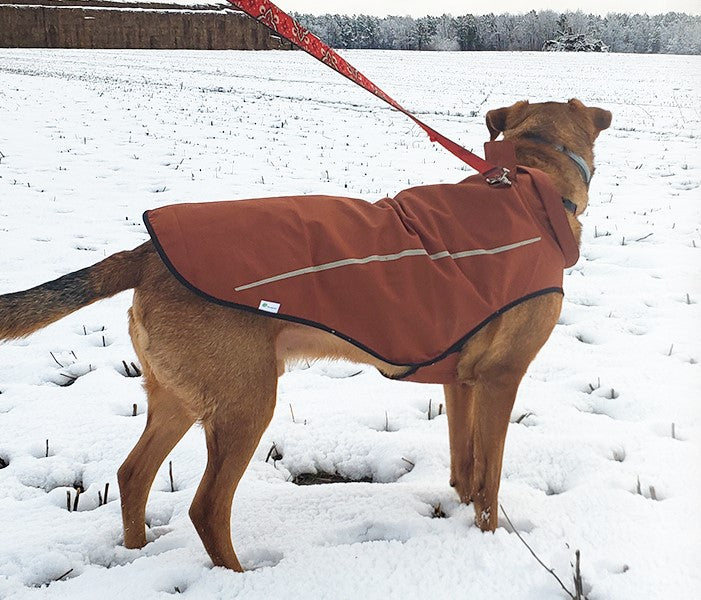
570 124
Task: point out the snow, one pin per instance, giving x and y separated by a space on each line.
603 451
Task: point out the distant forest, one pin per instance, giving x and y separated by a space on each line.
671 33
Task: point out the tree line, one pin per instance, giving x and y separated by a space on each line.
671 33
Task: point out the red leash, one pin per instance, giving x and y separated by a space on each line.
281 23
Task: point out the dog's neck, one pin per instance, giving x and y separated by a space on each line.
573 189
582 166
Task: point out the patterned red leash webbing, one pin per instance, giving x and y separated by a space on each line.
284 25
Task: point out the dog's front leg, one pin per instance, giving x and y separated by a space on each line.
459 408
494 396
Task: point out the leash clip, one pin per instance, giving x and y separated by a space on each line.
502 179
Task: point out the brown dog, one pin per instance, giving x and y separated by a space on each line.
228 382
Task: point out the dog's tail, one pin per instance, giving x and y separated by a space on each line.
22 313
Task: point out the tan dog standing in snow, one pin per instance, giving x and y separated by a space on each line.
214 364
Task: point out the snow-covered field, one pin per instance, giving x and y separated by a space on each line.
604 449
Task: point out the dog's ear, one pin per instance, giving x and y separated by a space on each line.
498 118
496 121
602 118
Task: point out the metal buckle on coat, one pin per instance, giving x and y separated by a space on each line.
500 179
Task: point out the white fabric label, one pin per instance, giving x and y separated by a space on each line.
267 306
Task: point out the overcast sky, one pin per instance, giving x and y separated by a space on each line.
420 8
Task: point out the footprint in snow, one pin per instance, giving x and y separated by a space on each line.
67 375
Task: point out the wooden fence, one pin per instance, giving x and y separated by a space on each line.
136 26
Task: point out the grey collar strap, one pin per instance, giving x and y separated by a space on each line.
581 164
579 161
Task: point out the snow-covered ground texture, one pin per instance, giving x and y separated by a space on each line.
603 452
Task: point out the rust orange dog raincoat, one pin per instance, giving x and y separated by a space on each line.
408 279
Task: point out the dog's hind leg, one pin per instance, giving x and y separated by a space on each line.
459 408
243 409
167 421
